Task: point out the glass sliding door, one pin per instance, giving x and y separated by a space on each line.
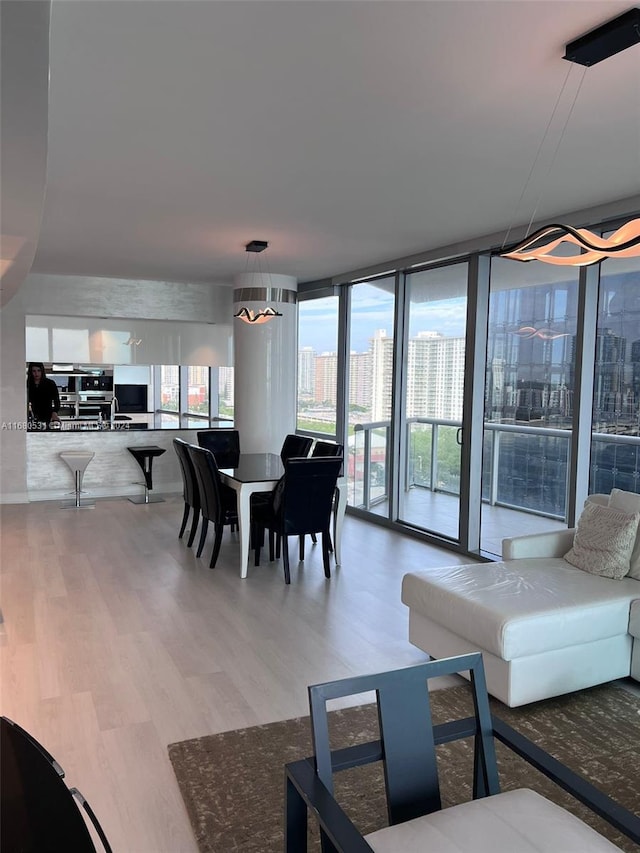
434 387
528 399
370 393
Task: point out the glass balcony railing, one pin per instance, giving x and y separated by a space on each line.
524 467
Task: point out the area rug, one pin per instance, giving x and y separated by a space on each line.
233 783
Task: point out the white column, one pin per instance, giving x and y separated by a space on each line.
265 362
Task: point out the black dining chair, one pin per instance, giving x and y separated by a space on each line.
217 501
323 449
223 443
37 809
300 503
295 445
190 491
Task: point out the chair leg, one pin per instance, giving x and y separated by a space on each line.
258 542
194 527
271 535
216 545
314 539
185 516
203 536
301 554
285 558
325 553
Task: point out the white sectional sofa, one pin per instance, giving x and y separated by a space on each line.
544 626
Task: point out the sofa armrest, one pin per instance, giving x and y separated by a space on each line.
553 543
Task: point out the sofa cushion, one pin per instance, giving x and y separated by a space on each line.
504 823
604 541
522 607
629 502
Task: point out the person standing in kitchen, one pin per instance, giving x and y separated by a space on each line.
42 394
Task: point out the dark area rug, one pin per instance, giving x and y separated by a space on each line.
233 783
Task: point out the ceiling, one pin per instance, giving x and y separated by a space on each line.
344 133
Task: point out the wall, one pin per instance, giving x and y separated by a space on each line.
83 296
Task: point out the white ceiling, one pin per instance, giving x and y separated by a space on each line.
344 133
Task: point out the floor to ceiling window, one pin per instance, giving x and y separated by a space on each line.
370 392
615 447
557 338
434 388
317 365
528 395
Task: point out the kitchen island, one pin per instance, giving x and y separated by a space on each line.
113 472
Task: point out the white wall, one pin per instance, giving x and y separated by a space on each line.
84 296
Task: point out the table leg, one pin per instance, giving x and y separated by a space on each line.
244 524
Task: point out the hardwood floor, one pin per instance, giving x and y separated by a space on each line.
117 641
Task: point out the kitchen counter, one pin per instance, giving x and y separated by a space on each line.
122 423
113 472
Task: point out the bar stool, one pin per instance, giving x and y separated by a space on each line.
77 460
144 456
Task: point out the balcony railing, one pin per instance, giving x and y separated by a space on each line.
524 467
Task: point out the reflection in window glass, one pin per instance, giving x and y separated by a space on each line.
198 390
169 387
317 364
528 394
615 449
370 392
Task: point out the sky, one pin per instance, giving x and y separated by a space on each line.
372 310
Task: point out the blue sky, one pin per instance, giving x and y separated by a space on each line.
375 311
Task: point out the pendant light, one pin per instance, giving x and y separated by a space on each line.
249 315
598 44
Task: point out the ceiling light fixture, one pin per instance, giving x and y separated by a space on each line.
601 43
249 315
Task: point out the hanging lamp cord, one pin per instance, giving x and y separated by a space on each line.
539 151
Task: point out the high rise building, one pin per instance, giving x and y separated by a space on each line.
226 385
435 376
306 371
326 371
381 350
360 384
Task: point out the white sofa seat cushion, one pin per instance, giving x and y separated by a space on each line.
518 821
524 607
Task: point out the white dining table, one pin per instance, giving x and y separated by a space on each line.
259 472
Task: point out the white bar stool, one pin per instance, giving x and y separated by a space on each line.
77 460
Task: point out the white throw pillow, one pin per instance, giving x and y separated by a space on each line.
603 500
604 541
628 502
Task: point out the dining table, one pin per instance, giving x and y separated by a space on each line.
259 472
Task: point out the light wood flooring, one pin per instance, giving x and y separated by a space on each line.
117 641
